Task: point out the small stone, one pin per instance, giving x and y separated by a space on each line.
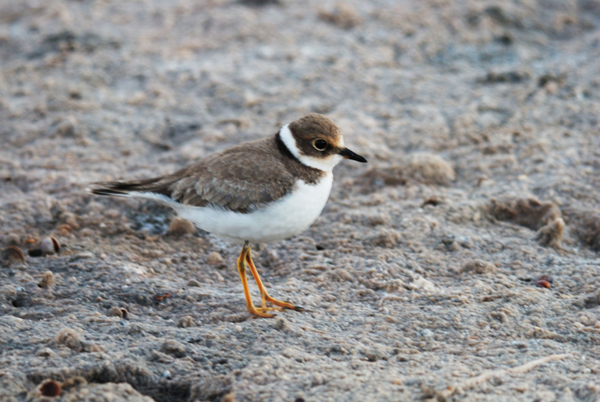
453 246
185 322
430 169
68 338
214 258
427 333
422 284
161 357
343 16
281 324
82 255
375 354
173 348
387 238
479 266
344 275
180 227
67 127
551 87
118 312
47 280
166 374
46 352
70 219
377 219
193 283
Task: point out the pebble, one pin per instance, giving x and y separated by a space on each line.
193 283
386 238
185 322
118 312
214 258
521 387
343 16
429 169
180 227
422 283
46 352
427 333
374 354
84 254
47 280
68 338
173 348
479 266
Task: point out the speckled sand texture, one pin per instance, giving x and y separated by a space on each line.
460 264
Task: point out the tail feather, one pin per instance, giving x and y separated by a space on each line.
123 188
104 191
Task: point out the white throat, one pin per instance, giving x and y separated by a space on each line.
324 164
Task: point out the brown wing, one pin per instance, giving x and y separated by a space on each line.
240 179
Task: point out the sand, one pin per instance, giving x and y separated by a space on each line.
460 263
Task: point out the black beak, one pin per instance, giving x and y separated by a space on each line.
346 153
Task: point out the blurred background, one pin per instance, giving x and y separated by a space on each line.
174 80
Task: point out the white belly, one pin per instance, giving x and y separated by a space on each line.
284 218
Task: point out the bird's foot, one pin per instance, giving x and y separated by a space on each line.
282 304
262 311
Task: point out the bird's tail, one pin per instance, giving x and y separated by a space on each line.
128 188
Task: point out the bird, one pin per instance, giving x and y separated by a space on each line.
258 191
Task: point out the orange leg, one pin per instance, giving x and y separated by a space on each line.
263 292
241 265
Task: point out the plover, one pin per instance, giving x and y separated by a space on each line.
255 192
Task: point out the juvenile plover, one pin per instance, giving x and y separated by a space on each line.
255 192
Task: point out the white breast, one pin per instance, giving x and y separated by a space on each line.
284 218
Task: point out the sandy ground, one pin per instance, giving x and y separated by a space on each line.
461 263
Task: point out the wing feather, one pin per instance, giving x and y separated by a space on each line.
241 179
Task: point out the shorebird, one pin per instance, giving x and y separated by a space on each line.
255 192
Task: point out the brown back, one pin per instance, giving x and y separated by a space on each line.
242 178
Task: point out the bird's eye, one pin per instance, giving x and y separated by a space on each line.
320 145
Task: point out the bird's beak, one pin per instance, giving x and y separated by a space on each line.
347 154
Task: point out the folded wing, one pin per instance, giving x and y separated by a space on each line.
241 179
